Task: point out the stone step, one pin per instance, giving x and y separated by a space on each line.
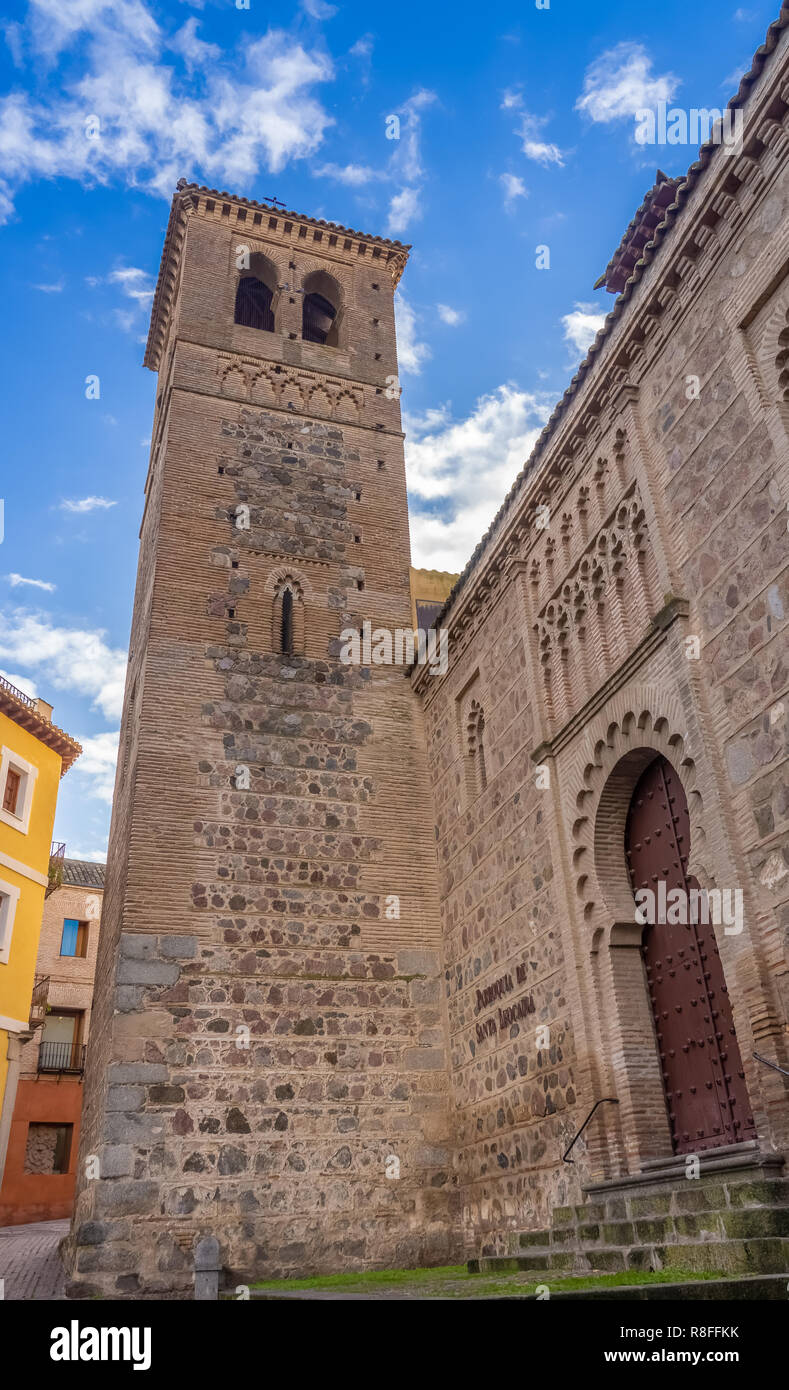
740 1223
719 1209
759 1287
768 1255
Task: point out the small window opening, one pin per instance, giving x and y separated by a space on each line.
318 317
253 304
287 621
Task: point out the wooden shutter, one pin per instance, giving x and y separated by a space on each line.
13 782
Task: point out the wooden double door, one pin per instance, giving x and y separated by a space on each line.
703 1076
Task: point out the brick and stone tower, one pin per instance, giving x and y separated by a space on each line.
267 1051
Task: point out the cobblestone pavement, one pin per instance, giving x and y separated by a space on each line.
29 1262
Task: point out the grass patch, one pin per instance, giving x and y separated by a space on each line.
370 1277
454 1281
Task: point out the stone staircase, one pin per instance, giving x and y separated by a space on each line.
733 1220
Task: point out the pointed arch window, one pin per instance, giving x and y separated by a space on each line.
254 304
287 634
318 319
321 311
286 627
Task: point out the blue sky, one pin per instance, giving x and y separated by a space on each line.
516 130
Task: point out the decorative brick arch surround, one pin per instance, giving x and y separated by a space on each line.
623 742
602 804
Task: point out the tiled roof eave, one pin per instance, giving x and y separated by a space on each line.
48 734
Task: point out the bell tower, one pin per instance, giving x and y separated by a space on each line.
267 1061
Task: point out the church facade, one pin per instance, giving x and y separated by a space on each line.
379 936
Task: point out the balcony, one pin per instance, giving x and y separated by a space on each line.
18 694
38 1000
57 856
62 1057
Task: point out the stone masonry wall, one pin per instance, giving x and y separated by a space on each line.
648 616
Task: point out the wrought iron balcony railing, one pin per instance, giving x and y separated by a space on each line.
62 1057
38 1000
57 855
17 694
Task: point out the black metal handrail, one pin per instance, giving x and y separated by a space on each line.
767 1063
605 1100
61 1056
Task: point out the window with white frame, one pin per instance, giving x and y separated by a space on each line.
9 897
17 780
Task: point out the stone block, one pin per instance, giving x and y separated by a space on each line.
126 1098
117 1161
652 1204
147 972
691 1196
127 1198
178 947
424 1059
122 1073
412 962
619 1233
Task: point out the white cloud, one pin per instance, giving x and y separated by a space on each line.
91 856
97 762
449 315
403 209
744 16
193 50
541 151
355 175
248 109
135 283
15 580
49 289
411 354
363 47
14 37
63 658
55 24
318 9
621 82
513 188
582 325
511 100
406 163
86 504
460 471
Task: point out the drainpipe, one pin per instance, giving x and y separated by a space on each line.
16 1041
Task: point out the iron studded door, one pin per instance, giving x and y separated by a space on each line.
703 1077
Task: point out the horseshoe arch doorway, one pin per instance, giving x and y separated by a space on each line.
703 1077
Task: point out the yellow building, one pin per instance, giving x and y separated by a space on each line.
429 589
34 755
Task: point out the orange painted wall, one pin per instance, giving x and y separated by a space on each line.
40 1196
